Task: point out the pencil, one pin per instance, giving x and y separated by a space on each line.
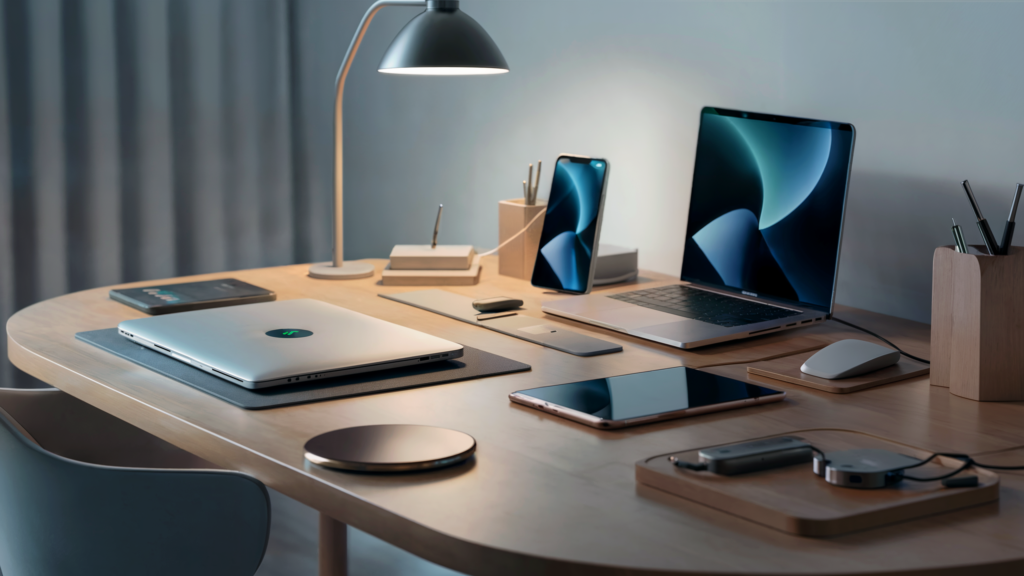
536 185
529 179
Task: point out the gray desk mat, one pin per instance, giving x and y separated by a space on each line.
524 327
473 364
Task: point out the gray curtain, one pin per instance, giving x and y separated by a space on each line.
146 139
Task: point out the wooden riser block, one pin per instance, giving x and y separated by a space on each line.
468 277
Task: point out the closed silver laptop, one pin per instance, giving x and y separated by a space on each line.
763 234
286 342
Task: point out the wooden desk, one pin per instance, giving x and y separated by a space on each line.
545 495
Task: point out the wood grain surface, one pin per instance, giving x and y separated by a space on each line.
516 259
543 494
467 277
942 315
979 302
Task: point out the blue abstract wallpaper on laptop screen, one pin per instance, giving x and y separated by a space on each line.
766 208
570 225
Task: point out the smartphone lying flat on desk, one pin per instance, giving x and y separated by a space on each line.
191 296
633 399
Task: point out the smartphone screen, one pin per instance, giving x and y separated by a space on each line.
191 295
572 225
647 393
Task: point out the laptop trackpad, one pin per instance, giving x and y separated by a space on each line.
634 317
685 331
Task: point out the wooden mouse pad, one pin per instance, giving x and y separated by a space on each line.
787 369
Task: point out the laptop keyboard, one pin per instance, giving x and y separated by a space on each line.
705 306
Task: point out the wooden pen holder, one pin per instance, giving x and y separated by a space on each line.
977 348
517 258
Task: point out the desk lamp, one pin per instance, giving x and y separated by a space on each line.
441 41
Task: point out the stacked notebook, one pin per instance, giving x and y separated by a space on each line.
416 265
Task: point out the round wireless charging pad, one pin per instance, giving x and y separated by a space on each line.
390 448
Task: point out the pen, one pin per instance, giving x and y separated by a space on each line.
536 184
492 315
983 227
529 180
1004 246
437 226
526 193
958 238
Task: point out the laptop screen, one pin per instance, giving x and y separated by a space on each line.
766 209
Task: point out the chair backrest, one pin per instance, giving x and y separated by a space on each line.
69 427
60 516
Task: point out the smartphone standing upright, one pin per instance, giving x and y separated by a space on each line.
567 257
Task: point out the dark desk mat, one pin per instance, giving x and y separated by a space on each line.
473 364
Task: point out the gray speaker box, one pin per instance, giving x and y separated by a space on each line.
615 264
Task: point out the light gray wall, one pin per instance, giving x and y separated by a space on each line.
934 89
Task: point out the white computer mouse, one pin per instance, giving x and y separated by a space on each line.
848 358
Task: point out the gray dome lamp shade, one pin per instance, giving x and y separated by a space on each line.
443 41
440 41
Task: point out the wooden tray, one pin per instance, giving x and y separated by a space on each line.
795 500
787 369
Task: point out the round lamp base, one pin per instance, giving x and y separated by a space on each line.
348 271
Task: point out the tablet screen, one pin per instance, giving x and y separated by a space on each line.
648 393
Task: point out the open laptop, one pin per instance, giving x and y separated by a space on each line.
762 236
286 342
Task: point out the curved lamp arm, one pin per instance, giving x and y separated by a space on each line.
424 46
338 140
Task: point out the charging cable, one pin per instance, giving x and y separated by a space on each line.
517 235
855 327
967 463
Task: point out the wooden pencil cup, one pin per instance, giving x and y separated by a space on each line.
978 324
518 257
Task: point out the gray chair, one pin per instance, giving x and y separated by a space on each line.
65 509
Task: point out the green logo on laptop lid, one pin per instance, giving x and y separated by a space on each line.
289 333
